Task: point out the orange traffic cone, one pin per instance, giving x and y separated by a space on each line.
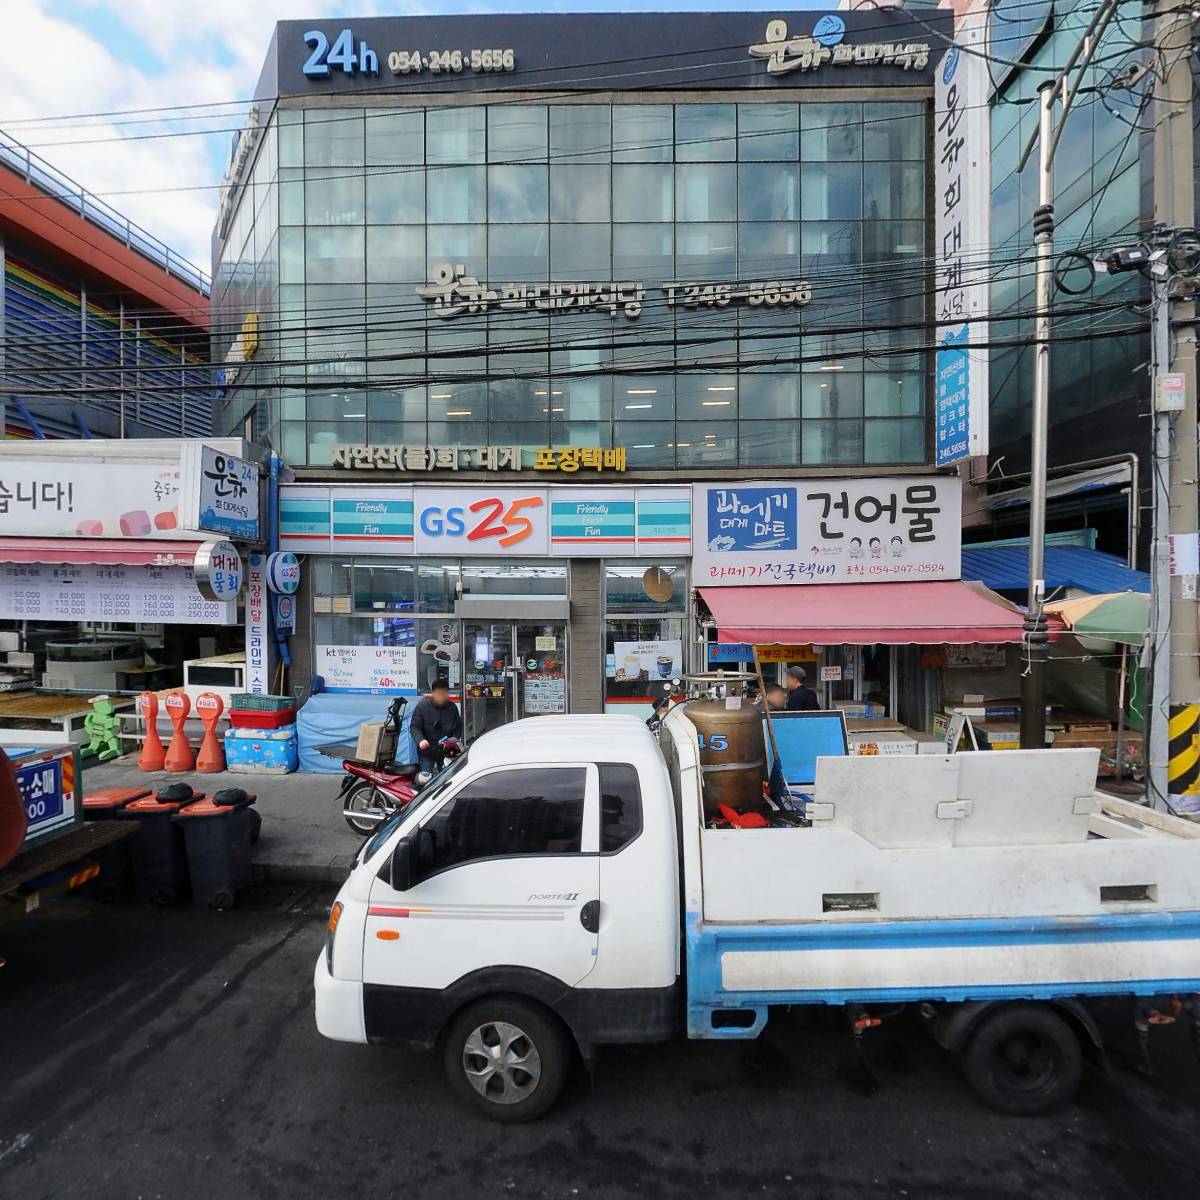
152 755
211 758
179 756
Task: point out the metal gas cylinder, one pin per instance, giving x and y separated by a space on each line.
733 754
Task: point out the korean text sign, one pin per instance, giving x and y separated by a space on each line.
44 497
511 522
826 531
221 492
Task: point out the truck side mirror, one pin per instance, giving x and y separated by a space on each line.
402 865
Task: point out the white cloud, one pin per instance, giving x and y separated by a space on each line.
103 57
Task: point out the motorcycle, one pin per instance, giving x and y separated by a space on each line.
372 791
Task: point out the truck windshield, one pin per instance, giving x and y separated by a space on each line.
433 789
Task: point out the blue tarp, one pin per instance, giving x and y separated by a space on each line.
1006 568
336 717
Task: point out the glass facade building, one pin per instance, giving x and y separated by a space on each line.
1098 394
348 207
640 251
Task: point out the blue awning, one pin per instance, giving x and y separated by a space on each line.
1006 568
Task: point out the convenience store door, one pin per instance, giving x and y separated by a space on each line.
512 669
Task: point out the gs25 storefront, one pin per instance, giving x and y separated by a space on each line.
530 600
549 599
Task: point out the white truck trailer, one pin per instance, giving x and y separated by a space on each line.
560 887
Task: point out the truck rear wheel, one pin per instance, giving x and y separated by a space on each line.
1023 1060
507 1058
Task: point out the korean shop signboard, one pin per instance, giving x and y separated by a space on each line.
220 491
506 521
47 497
827 531
962 196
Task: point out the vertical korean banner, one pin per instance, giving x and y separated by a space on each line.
258 635
962 144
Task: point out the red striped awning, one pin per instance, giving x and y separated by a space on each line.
863 614
104 552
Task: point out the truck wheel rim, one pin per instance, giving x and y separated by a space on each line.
1029 1062
501 1062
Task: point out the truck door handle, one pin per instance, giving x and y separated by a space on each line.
589 916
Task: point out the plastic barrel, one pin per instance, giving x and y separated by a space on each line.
115 860
160 872
218 850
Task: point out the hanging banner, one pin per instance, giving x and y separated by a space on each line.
258 639
827 531
962 141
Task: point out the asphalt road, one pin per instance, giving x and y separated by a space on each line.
148 1053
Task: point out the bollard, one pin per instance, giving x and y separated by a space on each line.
211 758
179 756
153 754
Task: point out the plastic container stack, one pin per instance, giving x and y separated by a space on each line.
262 736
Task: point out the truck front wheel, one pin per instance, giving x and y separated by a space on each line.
1023 1060
507 1058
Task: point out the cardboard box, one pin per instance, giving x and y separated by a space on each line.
375 742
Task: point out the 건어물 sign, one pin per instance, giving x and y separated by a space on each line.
826 531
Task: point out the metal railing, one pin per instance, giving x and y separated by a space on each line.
37 171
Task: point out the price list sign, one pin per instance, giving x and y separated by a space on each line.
145 595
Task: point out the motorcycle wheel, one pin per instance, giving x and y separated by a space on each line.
364 798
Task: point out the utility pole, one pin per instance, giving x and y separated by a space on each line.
1047 136
1033 678
1175 757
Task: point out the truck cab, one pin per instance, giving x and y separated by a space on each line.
531 893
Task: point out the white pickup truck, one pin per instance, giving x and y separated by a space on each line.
559 887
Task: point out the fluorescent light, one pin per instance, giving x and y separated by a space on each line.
832 367
349 416
542 393
643 446
715 403
556 392
641 391
441 395
639 406
551 410
728 388
824 385
682 445
458 412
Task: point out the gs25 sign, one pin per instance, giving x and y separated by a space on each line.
499 522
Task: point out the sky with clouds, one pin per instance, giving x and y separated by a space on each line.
111 56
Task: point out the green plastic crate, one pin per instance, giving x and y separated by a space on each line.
250 702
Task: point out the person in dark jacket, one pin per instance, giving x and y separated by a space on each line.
800 697
435 717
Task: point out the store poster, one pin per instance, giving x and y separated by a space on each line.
367 669
647 661
827 531
544 695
